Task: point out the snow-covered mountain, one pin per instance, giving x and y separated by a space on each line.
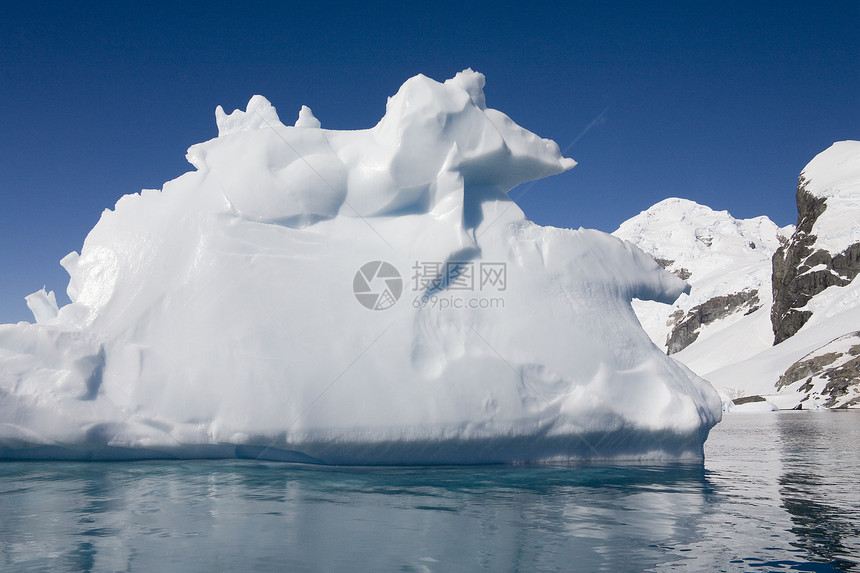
725 260
366 297
772 312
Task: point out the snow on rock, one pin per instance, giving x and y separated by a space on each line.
834 175
352 297
807 291
828 376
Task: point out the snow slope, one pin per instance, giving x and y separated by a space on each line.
819 364
359 297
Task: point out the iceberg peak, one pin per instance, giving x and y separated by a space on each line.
473 82
43 305
307 119
259 113
438 148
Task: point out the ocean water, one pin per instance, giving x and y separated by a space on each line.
777 492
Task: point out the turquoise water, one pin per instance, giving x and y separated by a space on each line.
777 492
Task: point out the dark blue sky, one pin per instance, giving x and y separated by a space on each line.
722 103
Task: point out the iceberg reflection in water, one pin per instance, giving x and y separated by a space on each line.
777 491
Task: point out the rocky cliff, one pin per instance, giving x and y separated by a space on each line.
801 269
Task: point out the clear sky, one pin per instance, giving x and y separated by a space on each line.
719 102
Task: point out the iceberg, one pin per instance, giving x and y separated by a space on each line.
351 297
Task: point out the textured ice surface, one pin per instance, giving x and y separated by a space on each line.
360 297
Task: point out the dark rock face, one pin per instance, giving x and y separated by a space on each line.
747 400
687 326
841 381
806 368
793 284
682 273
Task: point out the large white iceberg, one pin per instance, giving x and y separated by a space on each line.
351 297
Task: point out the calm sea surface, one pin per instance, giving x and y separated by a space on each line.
777 492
